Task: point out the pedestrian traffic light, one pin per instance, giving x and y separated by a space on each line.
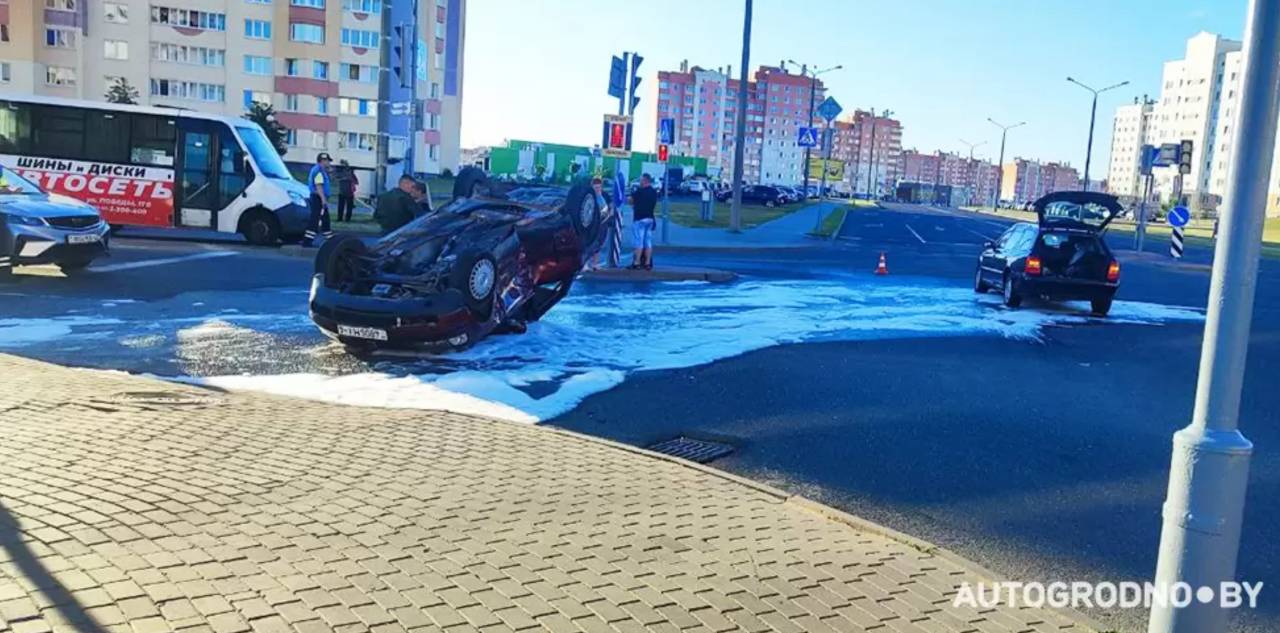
635 80
664 151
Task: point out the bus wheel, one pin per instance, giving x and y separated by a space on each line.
261 228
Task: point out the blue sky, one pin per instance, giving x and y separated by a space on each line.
538 69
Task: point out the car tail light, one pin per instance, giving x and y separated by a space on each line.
1113 271
1033 266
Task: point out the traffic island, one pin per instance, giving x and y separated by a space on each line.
660 273
128 503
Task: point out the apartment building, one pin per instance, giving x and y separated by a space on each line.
1129 132
976 177
704 105
871 148
319 63
1026 181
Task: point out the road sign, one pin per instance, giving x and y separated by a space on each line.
664 152
830 109
1167 155
1150 154
808 137
834 168
401 108
616 142
666 131
618 78
1179 216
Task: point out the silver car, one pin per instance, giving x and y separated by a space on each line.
37 227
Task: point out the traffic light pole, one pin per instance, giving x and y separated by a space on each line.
1209 473
740 133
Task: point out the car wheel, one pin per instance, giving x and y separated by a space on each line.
979 286
335 259
260 228
470 182
476 275
583 210
73 266
1010 291
1101 306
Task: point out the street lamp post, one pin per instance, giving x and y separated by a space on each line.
1004 133
871 163
1209 473
973 170
813 89
740 131
1093 116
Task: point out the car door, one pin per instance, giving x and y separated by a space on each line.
993 258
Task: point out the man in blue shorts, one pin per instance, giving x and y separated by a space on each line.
643 202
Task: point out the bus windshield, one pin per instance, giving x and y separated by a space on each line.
11 183
264 154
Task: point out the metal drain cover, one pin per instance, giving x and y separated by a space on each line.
147 399
700 451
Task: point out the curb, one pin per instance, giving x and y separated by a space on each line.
660 274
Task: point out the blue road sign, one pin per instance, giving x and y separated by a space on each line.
618 78
1150 154
1178 216
666 131
808 137
830 109
1169 153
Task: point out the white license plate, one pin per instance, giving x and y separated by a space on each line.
83 239
371 333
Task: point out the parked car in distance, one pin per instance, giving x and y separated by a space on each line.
1063 256
766 195
37 227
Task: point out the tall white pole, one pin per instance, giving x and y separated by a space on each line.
1210 469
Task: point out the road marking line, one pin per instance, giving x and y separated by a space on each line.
989 239
147 263
913 232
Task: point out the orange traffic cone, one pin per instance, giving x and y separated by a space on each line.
882 268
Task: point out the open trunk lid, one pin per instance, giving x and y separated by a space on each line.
1077 210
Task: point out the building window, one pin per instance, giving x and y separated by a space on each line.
257 65
356 141
115 12
435 90
291 103
60 38
433 152
356 38
356 72
362 6
60 5
315 4
192 90
291 67
60 76
433 121
191 19
194 55
252 96
115 49
307 33
356 107
320 70
5 73
257 29
258 1
322 105
318 140
291 138
4 32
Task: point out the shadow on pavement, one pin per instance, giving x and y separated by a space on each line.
36 573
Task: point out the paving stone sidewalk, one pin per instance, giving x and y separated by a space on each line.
128 504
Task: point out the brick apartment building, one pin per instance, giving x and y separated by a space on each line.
977 177
316 61
869 169
1027 180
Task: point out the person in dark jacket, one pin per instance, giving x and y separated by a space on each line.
345 179
397 207
422 196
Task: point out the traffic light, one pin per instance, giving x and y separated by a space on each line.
1184 157
664 152
635 80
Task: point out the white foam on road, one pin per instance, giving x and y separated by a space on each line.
164 261
26 332
591 341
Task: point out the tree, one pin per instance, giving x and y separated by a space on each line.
121 91
265 116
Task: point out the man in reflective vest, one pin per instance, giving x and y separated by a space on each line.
318 201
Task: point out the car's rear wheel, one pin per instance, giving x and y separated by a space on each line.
583 209
336 259
471 181
476 275
979 286
1010 291
1101 306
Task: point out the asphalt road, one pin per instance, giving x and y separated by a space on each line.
1042 459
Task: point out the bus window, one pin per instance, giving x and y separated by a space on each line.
153 140
198 184
15 128
232 176
107 137
58 132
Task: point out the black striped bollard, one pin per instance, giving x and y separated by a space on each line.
1175 243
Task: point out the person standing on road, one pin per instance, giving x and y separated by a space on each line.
318 183
643 202
597 188
345 179
706 202
397 207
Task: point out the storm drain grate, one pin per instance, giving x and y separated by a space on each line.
700 451
151 400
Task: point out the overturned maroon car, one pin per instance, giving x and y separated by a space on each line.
495 258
